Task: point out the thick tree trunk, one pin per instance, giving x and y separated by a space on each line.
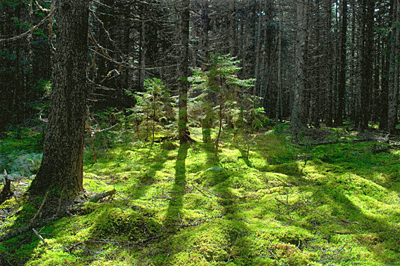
62 163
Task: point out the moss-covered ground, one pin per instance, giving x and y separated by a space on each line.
262 201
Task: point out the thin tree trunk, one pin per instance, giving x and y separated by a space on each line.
328 60
142 73
232 27
183 71
258 50
394 82
342 68
298 113
279 98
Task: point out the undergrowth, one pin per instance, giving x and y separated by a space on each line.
260 202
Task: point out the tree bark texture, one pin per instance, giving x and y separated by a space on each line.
183 69
62 163
342 68
328 62
298 113
394 69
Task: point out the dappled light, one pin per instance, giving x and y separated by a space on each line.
282 203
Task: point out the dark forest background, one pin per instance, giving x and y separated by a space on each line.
329 61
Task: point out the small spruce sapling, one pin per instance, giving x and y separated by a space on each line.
151 105
221 80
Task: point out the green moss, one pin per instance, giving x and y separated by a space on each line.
331 205
116 223
293 169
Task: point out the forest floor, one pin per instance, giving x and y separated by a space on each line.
262 201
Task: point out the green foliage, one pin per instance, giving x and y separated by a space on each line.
20 164
222 84
44 87
152 108
10 3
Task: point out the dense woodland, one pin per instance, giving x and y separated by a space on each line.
332 61
199 132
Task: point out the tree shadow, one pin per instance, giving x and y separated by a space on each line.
236 228
173 215
143 185
345 216
245 157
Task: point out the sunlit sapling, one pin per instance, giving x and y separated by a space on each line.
222 80
151 105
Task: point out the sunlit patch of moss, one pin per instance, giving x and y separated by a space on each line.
125 224
332 204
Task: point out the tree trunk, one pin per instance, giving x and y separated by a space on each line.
342 67
279 98
394 77
142 73
353 87
328 60
232 27
298 113
209 98
183 69
366 62
258 50
62 163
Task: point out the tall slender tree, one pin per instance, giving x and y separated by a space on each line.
343 67
394 68
183 70
298 113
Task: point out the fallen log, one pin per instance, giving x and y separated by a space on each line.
95 198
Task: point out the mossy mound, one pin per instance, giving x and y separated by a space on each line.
122 223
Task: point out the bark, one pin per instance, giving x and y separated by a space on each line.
298 113
366 63
62 163
328 60
342 68
353 88
258 50
232 27
278 115
209 97
384 114
394 82
142 70
183 70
